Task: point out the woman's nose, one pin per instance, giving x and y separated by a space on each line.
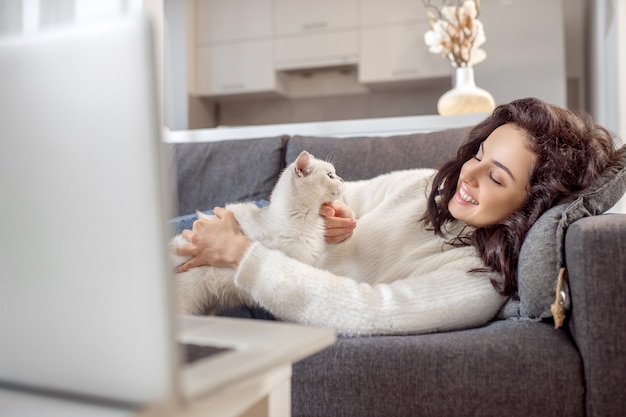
469 175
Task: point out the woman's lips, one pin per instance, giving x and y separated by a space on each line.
466 197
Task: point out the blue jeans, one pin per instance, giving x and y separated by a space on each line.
178 224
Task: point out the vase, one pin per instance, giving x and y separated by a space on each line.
465 96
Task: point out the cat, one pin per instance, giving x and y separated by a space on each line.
290 223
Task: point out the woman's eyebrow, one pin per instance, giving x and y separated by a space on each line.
508 171
498 164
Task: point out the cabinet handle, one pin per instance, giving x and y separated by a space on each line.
233 86
314 25
407 71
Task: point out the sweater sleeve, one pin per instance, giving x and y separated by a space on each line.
446 299
362 196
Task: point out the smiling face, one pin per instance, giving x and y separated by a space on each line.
494 183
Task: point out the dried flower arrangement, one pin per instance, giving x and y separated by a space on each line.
455 32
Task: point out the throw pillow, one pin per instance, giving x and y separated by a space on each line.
542 254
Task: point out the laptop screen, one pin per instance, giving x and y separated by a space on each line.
84 283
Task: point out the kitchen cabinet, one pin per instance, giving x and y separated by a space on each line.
392 43
233 48
316 50
398 53
377 12
218 21
313 34
303 17
246 46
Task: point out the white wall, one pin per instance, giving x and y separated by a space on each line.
608 69
621 79
175 64
525 50
621 62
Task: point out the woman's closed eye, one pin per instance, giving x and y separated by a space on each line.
478 157
494 178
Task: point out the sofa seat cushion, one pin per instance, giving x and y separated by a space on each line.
502 368
210 174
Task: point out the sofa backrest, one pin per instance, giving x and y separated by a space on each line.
357 158
209 174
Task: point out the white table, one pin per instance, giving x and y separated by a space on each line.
266 393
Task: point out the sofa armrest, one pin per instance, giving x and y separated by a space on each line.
595 249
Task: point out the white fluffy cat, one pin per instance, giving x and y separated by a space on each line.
290 223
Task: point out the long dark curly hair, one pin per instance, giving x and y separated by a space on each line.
571 150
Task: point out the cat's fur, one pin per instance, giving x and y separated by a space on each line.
290 223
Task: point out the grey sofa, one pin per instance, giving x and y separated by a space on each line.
518 366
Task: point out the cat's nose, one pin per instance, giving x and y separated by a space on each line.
340 179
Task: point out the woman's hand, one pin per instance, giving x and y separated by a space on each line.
339 220
216 242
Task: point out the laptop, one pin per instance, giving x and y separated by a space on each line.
86 291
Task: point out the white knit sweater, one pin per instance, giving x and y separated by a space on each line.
391 277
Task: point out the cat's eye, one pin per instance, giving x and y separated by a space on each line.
331 175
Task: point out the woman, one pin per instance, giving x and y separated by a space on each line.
434 250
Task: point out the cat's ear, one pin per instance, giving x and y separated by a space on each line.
303 164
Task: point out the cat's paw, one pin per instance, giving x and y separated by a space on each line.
175 259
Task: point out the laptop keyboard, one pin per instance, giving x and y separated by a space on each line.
193 352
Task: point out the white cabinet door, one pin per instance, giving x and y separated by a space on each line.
304 16
235 68
312 34
232 20
397 53
314 51
233 47
378 12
